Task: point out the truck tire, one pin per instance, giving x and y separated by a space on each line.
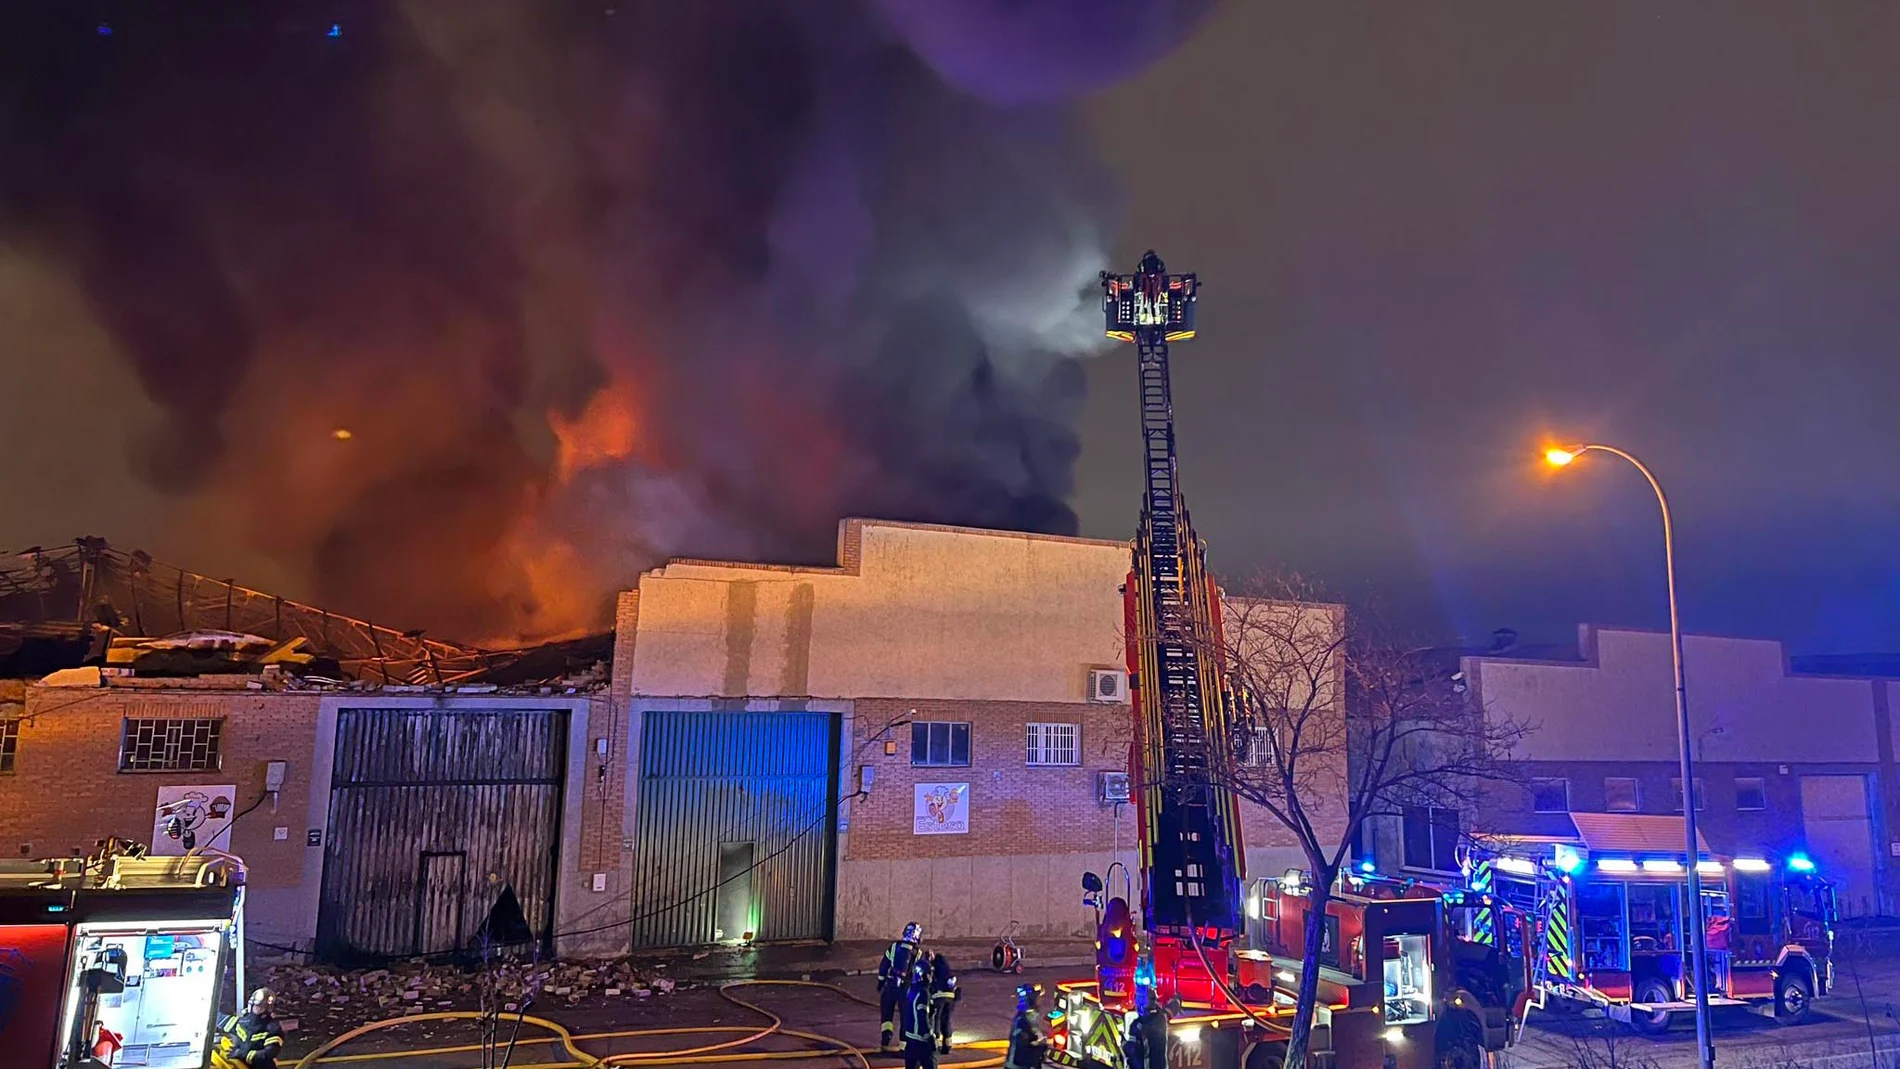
1651 989
1459 1044
1794 998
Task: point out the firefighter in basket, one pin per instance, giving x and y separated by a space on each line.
249 1040
893 977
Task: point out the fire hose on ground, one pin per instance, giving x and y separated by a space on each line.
726 1051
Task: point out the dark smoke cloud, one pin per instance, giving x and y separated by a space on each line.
833 258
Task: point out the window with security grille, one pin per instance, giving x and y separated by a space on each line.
9 743
170 745
1055 744
939 742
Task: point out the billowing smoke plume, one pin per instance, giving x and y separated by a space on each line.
466 311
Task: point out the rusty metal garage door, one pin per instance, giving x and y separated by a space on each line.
433 812
736 827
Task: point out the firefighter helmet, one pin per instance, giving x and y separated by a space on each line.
261 1001
1028 997
913 932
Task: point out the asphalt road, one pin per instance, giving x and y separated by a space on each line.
1838 1039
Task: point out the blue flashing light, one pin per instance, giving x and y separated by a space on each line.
103 30
1367 865
1800 863
1566 860
56 907
336 30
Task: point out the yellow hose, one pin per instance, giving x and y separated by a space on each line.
703 1054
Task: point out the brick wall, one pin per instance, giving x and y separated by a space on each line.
66 792
1728 829
1014 808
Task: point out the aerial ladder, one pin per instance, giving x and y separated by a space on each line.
1192 863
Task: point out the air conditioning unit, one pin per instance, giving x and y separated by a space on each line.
1108 685
1114 786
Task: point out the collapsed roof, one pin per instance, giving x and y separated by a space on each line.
89 603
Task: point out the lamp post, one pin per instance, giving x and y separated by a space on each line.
1705 1045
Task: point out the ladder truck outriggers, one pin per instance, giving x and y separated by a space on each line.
1408 978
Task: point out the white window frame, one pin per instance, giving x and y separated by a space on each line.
1636 794
9 743
1561 781
950 729
1041 751
1701 794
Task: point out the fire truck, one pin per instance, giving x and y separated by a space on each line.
1610 931
1406 981
116 959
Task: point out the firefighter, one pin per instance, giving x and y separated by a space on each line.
918 1013
893 974
1028 1037
944 996
1145 1046
249 1040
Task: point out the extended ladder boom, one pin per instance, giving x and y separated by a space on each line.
1191 853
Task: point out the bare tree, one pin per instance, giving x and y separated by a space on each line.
1337 720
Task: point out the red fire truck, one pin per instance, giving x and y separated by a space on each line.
115 959
1610 927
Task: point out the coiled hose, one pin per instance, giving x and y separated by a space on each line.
725 1051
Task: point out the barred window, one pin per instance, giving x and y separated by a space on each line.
1055 744
9 742
170 745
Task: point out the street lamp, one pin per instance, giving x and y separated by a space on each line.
1561 458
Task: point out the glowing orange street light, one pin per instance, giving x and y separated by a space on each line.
1559 458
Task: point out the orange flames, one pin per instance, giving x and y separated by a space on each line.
566 592
607 431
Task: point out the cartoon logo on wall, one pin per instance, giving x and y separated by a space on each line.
941 809
190 817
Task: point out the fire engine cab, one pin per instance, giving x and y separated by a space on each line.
116 959
1609 921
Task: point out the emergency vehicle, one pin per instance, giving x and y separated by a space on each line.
116 959
1609 908
1406 981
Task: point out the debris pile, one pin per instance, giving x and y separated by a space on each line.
330 1000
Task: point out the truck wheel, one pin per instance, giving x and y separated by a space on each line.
1651 990
1794 997
1459 1044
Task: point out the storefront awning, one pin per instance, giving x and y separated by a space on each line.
1633 833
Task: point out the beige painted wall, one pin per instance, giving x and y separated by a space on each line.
929 612
1621 705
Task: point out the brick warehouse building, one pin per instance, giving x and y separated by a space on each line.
919 733
398 813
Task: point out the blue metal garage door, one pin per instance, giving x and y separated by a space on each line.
736 827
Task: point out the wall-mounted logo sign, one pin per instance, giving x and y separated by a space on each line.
192 816
941 809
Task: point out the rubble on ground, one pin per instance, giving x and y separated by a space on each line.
328 1001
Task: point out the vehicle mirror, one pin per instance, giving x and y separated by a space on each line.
1091 882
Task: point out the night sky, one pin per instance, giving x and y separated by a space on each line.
1434 237
590 286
